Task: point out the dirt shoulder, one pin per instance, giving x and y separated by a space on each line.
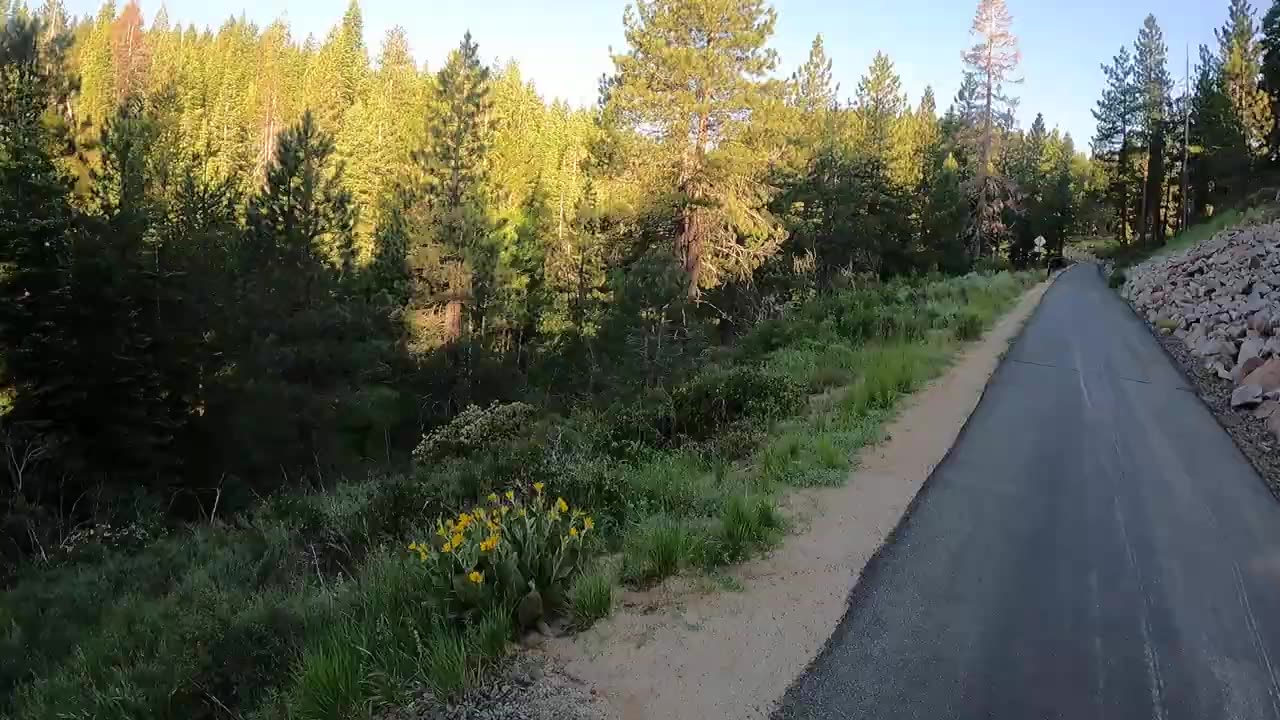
682 651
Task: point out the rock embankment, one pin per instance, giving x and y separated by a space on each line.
1221 298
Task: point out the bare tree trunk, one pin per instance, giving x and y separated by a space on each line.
984 162
1155 188
1122 167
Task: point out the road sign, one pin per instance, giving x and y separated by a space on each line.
1040 241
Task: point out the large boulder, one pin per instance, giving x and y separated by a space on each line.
1250 348
1246 395
1243 369
1266 377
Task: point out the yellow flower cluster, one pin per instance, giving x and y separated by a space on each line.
475 541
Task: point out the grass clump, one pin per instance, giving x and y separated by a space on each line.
591 598
747 524
969 325
444 661
659 548
329 679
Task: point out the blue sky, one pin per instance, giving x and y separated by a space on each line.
563 45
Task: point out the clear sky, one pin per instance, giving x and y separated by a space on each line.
563 45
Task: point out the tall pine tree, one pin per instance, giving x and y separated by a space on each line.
1240 55
991 62
879 105
697 94
453 246
1114 144
1151 75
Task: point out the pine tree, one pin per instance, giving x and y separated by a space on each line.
991 62
98 97
73 299
378 134
1219 162
302 219
53 18
1151 75
1241 61
812 89
298 354
697 95
1270 71
813 118
339 72
130 56
944 216
271 97
1114 143
454 227
879 105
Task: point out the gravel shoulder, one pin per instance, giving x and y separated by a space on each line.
688 649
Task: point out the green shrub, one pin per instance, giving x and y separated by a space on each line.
590 598
1117 279
475 429
701 407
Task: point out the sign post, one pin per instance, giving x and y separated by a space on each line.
1040 249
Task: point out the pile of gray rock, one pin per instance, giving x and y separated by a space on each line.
1222 299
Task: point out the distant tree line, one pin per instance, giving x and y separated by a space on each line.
232 262
1169 153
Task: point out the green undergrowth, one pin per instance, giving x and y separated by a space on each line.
311 606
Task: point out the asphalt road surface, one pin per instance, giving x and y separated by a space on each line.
1094 546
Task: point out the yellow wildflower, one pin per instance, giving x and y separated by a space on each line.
573 532
511 496
537 487
447 548
588 523
456 540
505 509
413 546
561 505
521 513
463 521
493 497
476 577
441 532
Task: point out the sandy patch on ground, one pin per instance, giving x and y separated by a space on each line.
682 651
